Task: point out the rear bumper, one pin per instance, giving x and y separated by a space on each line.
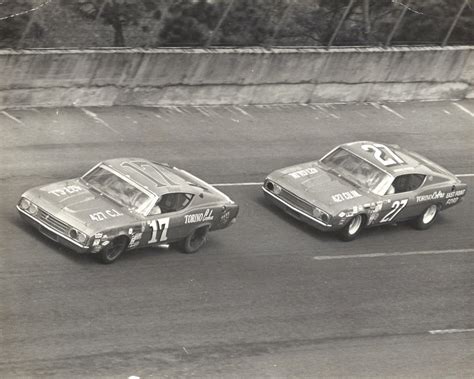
52 234
297 213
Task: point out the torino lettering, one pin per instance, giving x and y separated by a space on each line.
199 217
432 196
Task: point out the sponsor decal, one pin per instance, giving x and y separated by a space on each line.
345 196
199 217
64 191
373 217
135 239
432 196
452 201
302 173
457 193
101 216
225 217
454 196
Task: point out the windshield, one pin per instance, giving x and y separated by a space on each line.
356 169
117 189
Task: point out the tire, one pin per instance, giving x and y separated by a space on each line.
113 250
194 241
427 218
352 229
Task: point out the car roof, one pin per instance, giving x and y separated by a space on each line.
412 162
158 178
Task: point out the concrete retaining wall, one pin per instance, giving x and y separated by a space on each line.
233 76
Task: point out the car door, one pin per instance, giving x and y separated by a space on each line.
400 202
166 221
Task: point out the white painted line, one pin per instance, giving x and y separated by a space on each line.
464 109
450 331
392 111
242 111
396 254
375 105
98 119
12 117
446 111
260 183
176 109
237 184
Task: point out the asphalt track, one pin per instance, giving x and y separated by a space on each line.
268 297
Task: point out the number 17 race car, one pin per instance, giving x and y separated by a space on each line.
363 184
128 203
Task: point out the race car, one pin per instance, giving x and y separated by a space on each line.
128 203
364 184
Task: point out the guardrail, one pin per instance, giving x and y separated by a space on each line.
177 76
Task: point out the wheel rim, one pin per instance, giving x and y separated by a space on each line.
354 226
429 214
114 249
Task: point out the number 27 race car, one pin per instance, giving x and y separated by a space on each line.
125 204
363 184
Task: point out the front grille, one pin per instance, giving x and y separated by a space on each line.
296 201
53 222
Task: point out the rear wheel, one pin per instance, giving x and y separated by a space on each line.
427 218
194 241
113 250
352 228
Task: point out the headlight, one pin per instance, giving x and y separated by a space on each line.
32 209
24 203
77 235
273 187
318 213
81 237
28 206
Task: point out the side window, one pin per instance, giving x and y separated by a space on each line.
407 183
171 202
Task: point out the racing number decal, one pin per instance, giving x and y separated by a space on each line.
397 207
380 151
161 225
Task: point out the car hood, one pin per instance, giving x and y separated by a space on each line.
77 205
321 187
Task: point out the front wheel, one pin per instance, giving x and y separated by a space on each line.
427 218
113 250
352 228
194 241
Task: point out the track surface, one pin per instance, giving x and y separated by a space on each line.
254 302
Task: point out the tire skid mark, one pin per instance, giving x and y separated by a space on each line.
99 120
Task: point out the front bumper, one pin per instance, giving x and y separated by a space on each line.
53 234
297 213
